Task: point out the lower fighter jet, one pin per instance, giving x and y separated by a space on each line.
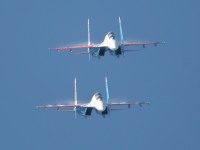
97 103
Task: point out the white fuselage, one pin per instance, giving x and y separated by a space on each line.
97 102
110 41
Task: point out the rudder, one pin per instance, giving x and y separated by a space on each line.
121 32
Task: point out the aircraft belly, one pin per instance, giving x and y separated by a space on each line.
98 51
100 107
113 45
84 111
104 112
118 51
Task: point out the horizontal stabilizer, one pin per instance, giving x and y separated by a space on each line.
66 110
77 53
131 50
118 109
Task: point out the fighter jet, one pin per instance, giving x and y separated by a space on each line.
97 104
110 44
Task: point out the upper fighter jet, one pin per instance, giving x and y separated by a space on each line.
111 44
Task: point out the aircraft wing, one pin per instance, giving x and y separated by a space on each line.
127 103
59 106
74 47
142 43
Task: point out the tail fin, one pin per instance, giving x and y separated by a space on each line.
75 97
121 32
107 92
89 37
75 92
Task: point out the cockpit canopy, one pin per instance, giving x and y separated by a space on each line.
111 35
98 96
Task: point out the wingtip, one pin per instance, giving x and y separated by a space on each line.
148 103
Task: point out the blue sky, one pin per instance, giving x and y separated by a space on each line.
167 75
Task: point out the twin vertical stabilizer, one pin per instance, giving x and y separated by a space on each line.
89 37
75 92
75 98
121 32
107 91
